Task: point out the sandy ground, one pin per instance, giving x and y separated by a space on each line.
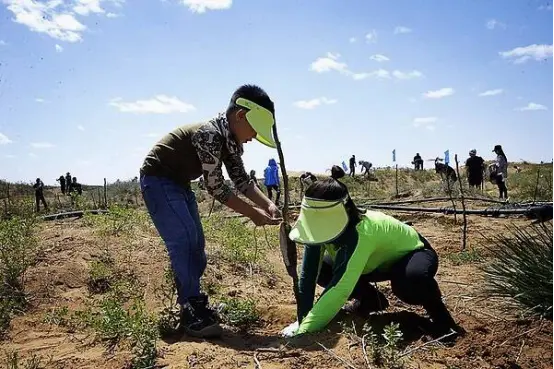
494 340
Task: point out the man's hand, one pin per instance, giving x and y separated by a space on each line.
261 218
274 211
290 331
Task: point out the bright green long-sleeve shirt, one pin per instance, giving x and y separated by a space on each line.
380 240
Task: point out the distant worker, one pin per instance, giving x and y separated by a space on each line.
501 171
352 166
366 166
475 166
253 178
39 194
418 162
67 182
62 183
75 186
306 179
271 180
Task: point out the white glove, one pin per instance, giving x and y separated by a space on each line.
290 331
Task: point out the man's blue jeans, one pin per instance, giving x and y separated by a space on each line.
174 211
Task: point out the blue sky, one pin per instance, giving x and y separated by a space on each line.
88 86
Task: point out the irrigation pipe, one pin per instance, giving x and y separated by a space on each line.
72 214
436 199
445 210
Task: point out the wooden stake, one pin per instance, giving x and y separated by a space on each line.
396 180
105 194
464 232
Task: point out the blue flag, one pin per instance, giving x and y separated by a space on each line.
394 156
344 166
447 157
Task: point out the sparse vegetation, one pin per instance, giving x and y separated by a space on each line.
521 269
13 361
471 255
18 248
241 313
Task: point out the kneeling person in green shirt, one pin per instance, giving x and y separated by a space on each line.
346 250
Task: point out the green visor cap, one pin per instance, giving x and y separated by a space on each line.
320 221
261 120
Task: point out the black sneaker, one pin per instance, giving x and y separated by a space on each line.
444 326
197 320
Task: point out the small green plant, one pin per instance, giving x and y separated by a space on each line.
521 269
13 361
169 316
393 336
101 276
371 340
119 221
241 313
18 250
465 257
240 245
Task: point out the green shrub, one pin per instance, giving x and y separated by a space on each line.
18 250
521 269
241 313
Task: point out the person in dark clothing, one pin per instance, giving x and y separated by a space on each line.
67 182
352 166
62 183
418 162
253 178
271 180
346 250
501 171
306 179
39 194
74 186
475 166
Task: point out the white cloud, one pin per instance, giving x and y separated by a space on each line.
45 18
85 7
532 106
160 104
9 156
352 40
33 155
371 36
200 6
59 49
40 100
80 128
42 145
4 140
427 122
113 15
494 92
402 29
407 75
522 54
439 94
310 104
379 58
329 63
3 43
493 23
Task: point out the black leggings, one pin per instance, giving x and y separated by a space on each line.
412 281
270 192
502 189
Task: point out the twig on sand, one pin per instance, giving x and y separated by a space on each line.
520 350
257 363
455 282
331 353
408 352
365 351
521 334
